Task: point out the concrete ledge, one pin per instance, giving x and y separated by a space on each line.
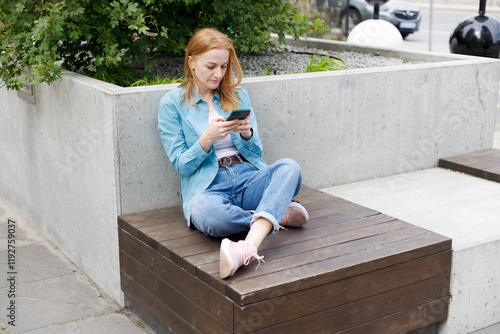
462 207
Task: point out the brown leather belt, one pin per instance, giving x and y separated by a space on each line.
228 161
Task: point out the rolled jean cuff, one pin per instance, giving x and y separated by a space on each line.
268 216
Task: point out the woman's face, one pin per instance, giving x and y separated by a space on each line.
209 68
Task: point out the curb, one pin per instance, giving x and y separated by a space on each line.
472 9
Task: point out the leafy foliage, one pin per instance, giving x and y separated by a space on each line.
38 38
126 76
325 63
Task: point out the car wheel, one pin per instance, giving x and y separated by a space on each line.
354 19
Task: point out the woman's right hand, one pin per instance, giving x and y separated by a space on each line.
218 128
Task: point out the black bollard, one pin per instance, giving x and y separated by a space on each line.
477 35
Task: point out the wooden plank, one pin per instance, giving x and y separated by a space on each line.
209 272
333 243
157 231
130 222
293 241
316 228
308 194
360 313
323 297
337 267
329 209
192 245
492 173
197 243
142 228
326 200
484 164
188 310
174 227
406 321
190 257
171 215
170 221
212 301
146 215
304 252
474 157
179 255
153 235
156 307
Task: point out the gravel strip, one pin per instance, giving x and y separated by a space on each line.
293 60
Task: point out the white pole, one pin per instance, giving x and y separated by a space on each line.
431 18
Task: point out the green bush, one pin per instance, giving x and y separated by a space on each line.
38 38
126 76
324 64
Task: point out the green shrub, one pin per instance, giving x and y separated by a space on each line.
126 76
324 63
38 38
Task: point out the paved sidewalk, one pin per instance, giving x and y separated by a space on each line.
49 293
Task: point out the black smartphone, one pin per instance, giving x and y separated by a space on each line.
238 114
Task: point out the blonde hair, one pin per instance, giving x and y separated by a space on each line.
203 41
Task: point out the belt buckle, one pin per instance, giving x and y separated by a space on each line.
222 161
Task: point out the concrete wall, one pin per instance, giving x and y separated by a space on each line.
360 125
87 151
475 288
58 170
341 127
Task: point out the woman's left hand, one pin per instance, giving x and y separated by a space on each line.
244 128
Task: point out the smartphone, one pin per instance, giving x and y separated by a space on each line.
238 114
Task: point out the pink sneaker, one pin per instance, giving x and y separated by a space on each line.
295 216
235 254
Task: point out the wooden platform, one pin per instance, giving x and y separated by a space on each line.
484 164
349 270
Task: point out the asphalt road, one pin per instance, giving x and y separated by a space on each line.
443 24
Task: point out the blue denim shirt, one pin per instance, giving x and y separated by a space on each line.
180 130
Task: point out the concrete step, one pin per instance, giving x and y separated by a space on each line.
493 329
462 207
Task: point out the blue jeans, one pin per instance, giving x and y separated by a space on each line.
240 194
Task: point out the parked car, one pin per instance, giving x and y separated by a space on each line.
405 17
